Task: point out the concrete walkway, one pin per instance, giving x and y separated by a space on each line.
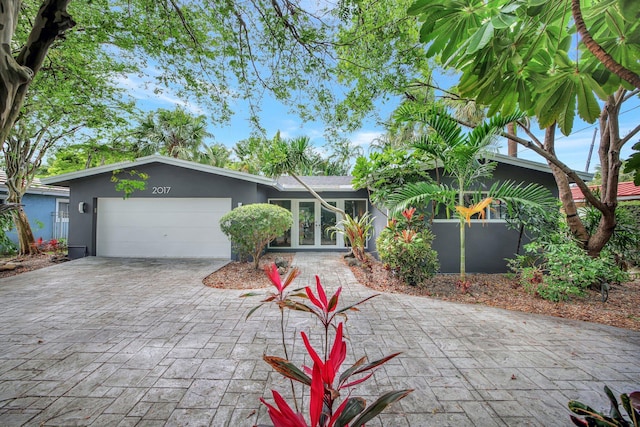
107 342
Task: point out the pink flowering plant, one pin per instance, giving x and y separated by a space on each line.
331 403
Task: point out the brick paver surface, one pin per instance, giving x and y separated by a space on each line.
107 342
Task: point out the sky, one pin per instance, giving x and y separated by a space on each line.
572 150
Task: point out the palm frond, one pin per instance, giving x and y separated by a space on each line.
483 134
418 194
532 194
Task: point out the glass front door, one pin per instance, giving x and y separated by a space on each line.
307 223
327 220
312 223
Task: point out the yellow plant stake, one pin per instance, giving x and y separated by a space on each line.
479 208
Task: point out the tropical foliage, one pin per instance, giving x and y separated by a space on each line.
463 158
175 133
630 403
557 268
522 55
251 227
356 232
331 388
404 246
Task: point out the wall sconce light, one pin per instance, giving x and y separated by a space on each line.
82 207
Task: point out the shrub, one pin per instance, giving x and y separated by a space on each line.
562 268
404 246
251 227
6 224
624 243
356 232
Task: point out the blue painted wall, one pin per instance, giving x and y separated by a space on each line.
39 209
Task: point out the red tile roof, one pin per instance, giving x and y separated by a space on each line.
626 191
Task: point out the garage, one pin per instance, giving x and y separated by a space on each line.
161 227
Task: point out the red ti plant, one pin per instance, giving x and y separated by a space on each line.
281 298
324 380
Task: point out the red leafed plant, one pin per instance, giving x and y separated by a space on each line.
325 378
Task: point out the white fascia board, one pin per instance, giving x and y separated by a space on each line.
530 164
157 159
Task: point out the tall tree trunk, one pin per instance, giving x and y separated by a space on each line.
512 144
50 23
16 74
26 241
597 50
609 154
463 242
564 190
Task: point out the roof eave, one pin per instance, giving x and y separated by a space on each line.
530 164
64 179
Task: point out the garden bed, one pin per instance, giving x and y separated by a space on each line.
504 291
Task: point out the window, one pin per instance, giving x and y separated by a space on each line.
355 208
62 210
496 211
312 222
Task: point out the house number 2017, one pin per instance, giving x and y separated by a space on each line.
160 190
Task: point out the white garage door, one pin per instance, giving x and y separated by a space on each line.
162 228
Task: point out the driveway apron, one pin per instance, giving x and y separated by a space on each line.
116 342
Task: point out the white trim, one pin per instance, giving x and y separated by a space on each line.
58 216
317 226
157 159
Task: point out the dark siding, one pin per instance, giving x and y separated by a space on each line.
183 182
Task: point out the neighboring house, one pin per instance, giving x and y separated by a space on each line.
46 206
178 213
626 191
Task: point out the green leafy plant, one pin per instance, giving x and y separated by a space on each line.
129 186
325 378
356 232
251 227
404 246
624 243
6 224
630 403
559 268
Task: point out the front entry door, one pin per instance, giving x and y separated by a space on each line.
307 224
313 222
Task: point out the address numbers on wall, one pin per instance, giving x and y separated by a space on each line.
160 190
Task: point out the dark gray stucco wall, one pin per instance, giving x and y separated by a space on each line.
486 246
184 183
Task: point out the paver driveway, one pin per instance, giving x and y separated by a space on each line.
142 342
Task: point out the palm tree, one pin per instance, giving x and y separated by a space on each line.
216 155
288 157
174 133
461 156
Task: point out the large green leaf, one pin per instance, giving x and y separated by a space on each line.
480 38
288 369
588 108
379 405
354 406
630 9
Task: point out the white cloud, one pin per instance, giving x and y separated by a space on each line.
365 138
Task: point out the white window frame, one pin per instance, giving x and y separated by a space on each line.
58 218
487 215
295 227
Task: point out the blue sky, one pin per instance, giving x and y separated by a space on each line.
572 150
